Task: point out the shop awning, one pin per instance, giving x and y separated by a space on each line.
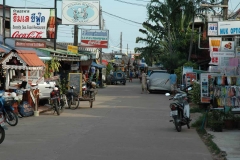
22 59
62 54
97 65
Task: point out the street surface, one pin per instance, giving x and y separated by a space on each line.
122 125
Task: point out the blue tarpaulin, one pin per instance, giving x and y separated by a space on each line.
97 65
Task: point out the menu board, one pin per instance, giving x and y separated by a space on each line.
75 79
205 98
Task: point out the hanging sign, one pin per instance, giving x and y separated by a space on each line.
212 29
228 28
72 49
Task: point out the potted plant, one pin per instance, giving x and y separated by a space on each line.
237 122
215 120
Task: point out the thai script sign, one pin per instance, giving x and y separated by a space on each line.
228 28
94 38
32 23
30 44
80 12
212 29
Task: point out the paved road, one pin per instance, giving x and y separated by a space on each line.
122 125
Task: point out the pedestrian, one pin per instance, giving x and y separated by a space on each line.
173 82
130 76
136 73
144 82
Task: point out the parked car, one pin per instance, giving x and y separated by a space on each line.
117 76
156 81
44 92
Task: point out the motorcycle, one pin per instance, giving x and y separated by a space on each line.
57 102
7 109
72 98
180 110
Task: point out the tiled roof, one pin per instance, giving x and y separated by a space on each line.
30 58
2 50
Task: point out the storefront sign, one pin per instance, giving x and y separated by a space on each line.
185 70
72 49
212 29
84 13
205 98
30 44
223 54
227 46
74 67
32 23
228 28
94 38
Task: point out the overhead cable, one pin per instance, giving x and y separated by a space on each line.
131 3
121 18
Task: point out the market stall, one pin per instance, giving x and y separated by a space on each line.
22 69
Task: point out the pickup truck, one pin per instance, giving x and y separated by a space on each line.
117 76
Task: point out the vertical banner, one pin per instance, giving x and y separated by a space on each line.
215 46
190 76
205 98
185 70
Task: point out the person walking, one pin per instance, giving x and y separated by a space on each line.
173 82
144 82
130 76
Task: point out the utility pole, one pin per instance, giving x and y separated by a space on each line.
225 10
100 27
3 25
121 43
191 40
55 34
75 32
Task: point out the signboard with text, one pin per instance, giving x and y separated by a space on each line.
30 44
212 29
32 23
94 38
228 28
84 13
72 49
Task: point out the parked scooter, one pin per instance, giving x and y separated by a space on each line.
7 109
2 127
180 110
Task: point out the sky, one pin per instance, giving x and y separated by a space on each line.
130 30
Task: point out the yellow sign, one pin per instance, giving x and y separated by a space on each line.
72 49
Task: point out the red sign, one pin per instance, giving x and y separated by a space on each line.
94 44
30 44
214 59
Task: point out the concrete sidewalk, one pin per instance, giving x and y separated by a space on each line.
228 141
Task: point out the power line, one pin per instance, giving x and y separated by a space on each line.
132 3
121 18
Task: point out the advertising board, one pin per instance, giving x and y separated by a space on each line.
31 23
84 13
212 29
228 28
94 38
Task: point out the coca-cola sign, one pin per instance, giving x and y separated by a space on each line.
32 23
80 12
94 38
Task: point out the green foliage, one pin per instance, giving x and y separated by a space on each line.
195 93
215 118
198 122
51 66
62 83
109 68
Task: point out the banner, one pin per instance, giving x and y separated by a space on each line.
215 46
228 28
205 98
32 23
84 13
212 29
94 38
185 70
